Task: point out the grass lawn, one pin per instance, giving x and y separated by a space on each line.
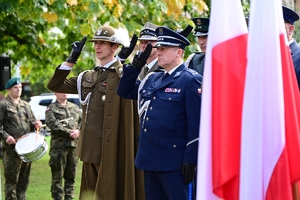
40 179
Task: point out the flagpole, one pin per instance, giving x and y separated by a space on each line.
295 191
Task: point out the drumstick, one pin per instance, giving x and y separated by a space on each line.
37 129
20 137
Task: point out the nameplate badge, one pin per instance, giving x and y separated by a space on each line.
172 90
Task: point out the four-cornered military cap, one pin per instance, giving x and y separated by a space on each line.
169 38
11 82
106 33
202 25
289 15
148 32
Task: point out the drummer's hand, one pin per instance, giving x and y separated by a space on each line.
38 124
74 133
10 140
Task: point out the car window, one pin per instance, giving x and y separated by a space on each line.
76 101
45 102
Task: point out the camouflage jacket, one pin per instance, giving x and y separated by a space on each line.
61 120
15 119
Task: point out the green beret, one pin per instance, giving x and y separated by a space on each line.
11 82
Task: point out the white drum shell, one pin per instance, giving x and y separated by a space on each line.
31 147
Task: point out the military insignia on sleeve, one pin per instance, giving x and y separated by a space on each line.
47 109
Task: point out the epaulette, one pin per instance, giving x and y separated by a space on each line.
191 71
119 70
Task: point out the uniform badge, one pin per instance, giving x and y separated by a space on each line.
172 90
99 32
177 74
47 109
160 31
103 98
89 80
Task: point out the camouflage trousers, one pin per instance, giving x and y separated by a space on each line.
16 174
63 163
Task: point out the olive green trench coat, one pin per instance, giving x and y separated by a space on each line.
108 139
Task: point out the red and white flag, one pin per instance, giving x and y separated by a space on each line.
222 97
270 149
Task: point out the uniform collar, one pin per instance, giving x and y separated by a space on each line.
151 64
172 70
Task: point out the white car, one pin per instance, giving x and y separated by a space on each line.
39 103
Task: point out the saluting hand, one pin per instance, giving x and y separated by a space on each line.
185 32
141 57
76 50
126 51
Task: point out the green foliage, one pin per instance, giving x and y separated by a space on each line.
37 34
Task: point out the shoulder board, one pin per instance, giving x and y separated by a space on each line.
119 70
191 71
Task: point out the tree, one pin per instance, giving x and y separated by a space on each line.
37 34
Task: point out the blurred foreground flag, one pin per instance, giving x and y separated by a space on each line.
222 97
270 150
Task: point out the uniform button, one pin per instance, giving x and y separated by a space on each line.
89 111
174 146
170 98
145 130
149 92
147 118
88 122
92 100
154 98
144 91
150 108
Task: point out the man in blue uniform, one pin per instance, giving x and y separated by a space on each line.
290 17
169 108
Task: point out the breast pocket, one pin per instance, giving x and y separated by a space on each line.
170 104
100 96
12 113
98 93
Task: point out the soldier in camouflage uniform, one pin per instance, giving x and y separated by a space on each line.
64 120
16 119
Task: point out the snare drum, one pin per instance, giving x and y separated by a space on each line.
31 147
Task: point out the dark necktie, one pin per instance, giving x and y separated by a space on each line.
146 69
165 76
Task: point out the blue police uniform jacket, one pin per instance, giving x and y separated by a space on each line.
169 128
295 52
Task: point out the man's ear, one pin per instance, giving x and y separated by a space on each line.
291 29
115 47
